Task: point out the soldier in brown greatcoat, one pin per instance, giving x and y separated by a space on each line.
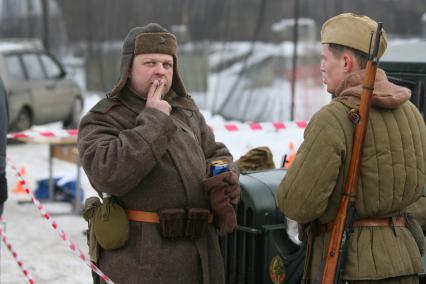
148 145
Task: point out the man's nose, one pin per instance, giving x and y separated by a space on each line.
322 67
159 68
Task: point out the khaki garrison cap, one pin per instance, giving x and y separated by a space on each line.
354 31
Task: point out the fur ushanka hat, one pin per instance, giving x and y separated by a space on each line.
151 38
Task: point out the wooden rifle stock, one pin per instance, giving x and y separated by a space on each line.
336 253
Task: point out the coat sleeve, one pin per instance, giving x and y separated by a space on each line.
304 193
116 160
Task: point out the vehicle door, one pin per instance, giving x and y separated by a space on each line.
63 91
17 86
43 91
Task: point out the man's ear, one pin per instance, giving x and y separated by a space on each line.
348 63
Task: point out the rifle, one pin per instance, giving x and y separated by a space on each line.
342 227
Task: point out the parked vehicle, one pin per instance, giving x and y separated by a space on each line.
264 247
37 87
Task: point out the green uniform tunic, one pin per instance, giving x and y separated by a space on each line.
393 175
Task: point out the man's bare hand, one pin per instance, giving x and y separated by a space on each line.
154 97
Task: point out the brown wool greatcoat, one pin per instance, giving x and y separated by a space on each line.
393 175
140 156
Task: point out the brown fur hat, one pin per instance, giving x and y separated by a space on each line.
151 38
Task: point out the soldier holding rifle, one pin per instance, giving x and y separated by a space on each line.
385 243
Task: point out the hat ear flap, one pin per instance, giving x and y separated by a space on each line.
177 84
126 64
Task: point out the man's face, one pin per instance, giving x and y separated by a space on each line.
149 67
332 69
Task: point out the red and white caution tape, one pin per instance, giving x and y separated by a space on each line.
260 126
231 127
56 227
25 271
50 133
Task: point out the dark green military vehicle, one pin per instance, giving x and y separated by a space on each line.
264 248
260 246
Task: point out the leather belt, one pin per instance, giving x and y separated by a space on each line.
151 217
369 222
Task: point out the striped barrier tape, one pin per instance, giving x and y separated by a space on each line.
49 133
230 127
56 227
25 271
260 126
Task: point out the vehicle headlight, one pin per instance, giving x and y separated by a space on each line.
293 231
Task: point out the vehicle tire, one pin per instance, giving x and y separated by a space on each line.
23 120
74 117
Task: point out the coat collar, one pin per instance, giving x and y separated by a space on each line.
385 95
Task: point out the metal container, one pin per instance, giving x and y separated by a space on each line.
218 167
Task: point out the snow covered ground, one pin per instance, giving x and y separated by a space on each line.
40 248
43 253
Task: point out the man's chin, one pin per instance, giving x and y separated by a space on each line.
330 90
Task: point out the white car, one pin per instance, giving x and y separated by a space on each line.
37 88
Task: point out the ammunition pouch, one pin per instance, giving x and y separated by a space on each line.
172 223
196 223
178 223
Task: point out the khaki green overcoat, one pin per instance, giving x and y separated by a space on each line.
140 156
393 175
